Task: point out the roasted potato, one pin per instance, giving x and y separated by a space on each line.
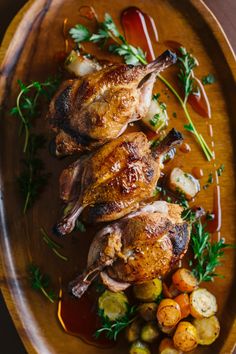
148 311
133 330
156 118
184 280
202 303
114 305
167 347
168 313
185 337
148 291
139 347
208 329
149 332
184 304
80 65
183 183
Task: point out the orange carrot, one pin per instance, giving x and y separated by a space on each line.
184 280
183 301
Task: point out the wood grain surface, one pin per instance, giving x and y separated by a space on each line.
225 15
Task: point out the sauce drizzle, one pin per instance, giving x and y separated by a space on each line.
138 27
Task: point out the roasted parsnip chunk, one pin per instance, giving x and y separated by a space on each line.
184 183
202 303
208 329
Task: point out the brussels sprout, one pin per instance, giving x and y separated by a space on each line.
113 305
148 311
139 347
149 332
148 291
133 330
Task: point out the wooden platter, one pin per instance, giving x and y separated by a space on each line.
31 56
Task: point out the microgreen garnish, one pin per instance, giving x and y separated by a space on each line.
55 247
113 328
134 56
207 254
208 79
32 179
220 170
41 282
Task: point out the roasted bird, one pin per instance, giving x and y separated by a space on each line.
87 112
137 248
113 181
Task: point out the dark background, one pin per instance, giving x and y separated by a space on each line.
224 10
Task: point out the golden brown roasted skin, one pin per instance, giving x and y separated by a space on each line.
89 111
114 180
136 249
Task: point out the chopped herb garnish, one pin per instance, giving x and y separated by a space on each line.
207 254
79 226
210 216
156 96
208 79
210 180
55 247
174 114
169 199
220 170
155 119
41 282
113 328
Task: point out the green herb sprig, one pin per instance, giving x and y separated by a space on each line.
27 103
55 247
41 282
133 55
207 254
113 328
186 63
32 178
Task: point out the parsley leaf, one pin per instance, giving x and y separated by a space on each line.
80 33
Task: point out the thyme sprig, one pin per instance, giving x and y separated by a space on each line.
32 179
186 64
27 103
133 55
207 254
41 282
55 247
113 328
